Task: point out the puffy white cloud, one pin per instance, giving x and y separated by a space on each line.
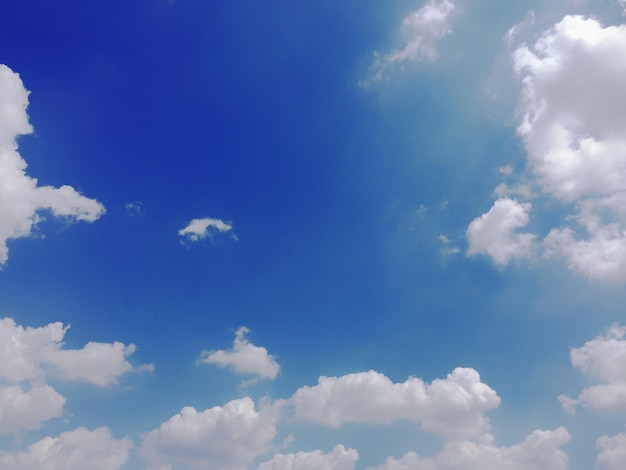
453 407
539 451
422 29
339 459
22 201
574 108
27 410
494 232
74 450
220 438
244 357
612 452
602 358
31 353
198 229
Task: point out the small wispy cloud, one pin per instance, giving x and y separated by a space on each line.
516 30
422 30
134 208
448 248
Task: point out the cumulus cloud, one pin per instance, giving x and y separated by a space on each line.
23 203
28 354
222 438
495 232
339 459
244 357
603 358
422 29
199 229
73 450
573 111
539 451
453 407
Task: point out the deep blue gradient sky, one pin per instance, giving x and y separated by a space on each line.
348 201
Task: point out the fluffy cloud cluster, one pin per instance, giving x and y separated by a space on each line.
29 355
224 438
453 407
573 109
539 451
199 229
422 29
244 357
22 202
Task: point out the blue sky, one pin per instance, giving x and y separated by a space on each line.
313 235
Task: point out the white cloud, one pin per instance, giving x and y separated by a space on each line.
244 357
22 411
422 29
603 358
539 451
31 353
453 407
199 229
74 450
22 201
494 232
612 451
339 459
220 438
